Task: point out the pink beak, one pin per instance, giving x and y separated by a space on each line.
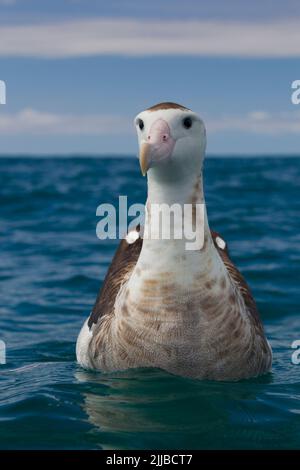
159 145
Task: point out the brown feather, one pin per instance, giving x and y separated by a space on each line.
124 262
237 279
167 105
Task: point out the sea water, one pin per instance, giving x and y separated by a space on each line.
52 265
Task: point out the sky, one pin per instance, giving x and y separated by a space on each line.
78 71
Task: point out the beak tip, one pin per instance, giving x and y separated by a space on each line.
143 171
144 158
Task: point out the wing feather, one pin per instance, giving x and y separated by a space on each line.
125 260
236 277
122 264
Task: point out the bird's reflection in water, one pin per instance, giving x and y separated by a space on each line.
164 410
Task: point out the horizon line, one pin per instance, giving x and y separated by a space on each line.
132 155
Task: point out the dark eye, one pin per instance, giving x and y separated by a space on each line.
187 123
141 124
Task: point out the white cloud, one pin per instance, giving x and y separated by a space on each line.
257 122
34 122
103 36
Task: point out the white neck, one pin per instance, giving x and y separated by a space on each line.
166 262
171 184
181 190
160 255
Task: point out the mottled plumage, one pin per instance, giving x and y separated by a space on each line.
188 312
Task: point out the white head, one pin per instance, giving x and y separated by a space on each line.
172 141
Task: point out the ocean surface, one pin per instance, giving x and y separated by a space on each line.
52 265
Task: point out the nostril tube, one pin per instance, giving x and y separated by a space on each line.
159 134
159 143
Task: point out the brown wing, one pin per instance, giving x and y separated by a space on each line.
236 277
122 264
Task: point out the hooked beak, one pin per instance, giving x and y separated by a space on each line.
158 147
145 157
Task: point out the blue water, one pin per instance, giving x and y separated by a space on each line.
52 265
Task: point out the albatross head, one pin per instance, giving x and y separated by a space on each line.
172 140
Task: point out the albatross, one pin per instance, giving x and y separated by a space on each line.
188 312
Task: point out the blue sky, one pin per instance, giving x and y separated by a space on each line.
77 72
